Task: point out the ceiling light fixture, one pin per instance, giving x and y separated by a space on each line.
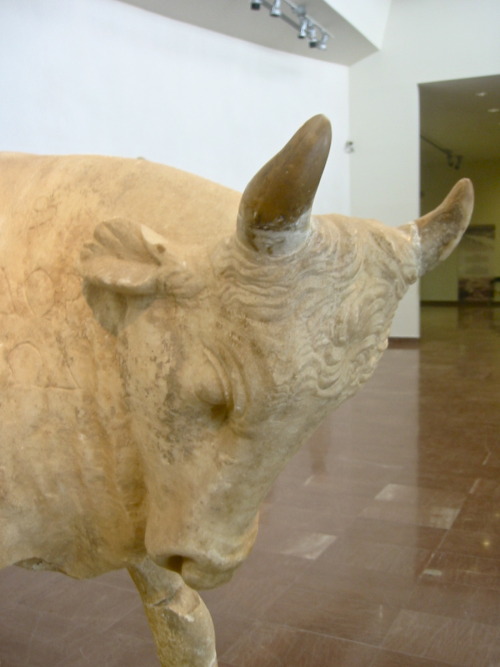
312 34
323 41
276 8
306 26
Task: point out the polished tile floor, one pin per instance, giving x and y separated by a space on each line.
379 545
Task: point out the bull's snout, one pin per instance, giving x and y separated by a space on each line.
197 574
203 558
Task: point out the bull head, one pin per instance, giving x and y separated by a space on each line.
282 321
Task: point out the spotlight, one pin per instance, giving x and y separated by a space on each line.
323 41
255 4
313 37
276 8
304 25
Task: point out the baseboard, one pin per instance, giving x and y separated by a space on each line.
461 304
404 343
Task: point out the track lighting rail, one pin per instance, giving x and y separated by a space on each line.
307 27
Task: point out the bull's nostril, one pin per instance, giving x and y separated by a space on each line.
174 563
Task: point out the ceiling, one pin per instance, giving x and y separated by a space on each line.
458 116
235 18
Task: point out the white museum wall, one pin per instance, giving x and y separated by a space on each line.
424 42
437 179
101 76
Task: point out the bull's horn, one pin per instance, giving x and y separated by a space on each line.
441 229
276 206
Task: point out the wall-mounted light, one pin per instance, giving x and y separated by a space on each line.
306 26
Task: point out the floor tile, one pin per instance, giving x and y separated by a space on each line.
392 532
484 544
346 615
274 646
454 568
412 513
393 659
435 637
456 601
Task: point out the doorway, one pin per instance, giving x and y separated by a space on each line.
460 137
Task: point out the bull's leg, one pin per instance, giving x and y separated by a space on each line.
179 620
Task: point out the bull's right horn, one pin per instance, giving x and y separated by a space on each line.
275 208
441 229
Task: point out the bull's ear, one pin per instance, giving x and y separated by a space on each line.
128 258
275 208
441 230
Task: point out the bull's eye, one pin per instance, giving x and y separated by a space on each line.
219 412
212 394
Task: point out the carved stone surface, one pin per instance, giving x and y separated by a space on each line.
166 348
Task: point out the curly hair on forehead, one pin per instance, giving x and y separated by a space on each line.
323 272
339 292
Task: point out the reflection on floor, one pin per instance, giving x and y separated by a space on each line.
379 545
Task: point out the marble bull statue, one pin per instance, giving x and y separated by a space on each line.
166 346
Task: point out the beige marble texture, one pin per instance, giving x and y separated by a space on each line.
166 347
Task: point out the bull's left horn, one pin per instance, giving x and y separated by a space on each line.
276 206
441 229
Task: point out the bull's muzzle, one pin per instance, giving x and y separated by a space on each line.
207 566
196 574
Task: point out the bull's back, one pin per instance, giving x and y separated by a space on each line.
45 198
